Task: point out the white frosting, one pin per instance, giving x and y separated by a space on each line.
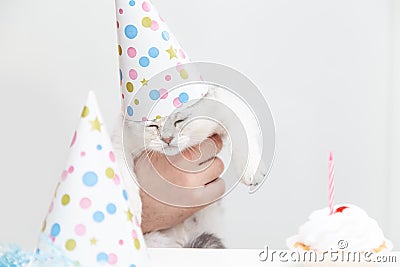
322 231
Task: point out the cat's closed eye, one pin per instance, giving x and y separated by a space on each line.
153 126
178 121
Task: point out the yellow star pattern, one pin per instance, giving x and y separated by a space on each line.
144 81
129 215
172 52
93 241
96 125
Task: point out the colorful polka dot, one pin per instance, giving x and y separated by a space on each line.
137 222
51 207
144 61
129 110
132 3
158 117
57 186
121 242
182 54
112 259
65 200
183 97
99 147
167 78
134 234
136 101
153 52
85 112
124 194
184 74
116 180
98 216
146 6
165 35
131 52
110 173
80 229
83 153
55 230
102 257
120 75
154 25
154 94
121 11
179 66
146 22
90 179
85 203
70 244
111 156
163 93
119 50
44 226
177 103
133 75
129 87
131 31
71 169
73 139
137 243
64 175
132 265
111 208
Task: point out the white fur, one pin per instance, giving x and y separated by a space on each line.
139 137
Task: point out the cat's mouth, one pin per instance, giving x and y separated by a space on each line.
170 150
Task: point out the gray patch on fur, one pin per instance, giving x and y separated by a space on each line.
205 240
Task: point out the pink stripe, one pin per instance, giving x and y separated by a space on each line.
331 183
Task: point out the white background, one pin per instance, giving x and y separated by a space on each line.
329 69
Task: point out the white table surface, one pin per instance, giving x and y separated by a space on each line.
220 257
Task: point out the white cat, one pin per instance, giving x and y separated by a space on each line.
219 111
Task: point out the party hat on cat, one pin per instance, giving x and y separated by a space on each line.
152 64
90 220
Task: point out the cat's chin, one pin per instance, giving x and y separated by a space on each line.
169 151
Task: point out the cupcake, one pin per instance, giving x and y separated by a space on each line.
348 237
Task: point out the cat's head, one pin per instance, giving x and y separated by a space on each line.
186 127
173 134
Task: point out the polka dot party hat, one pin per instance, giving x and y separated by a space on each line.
147 48
90 219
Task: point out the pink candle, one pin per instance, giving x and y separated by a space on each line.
331 183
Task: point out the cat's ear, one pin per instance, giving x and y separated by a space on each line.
211 91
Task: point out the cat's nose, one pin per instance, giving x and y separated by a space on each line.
167 140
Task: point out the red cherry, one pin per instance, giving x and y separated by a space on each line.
341 209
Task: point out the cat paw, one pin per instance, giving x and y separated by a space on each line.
255 177
159 240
